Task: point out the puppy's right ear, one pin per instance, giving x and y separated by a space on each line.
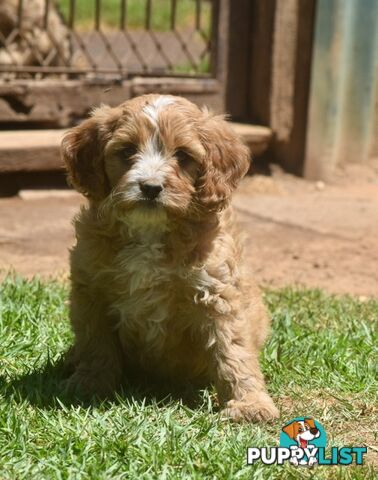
83 151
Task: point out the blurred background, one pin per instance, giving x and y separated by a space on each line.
298 79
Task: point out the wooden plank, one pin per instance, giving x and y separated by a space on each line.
256 137
55 103
219 46
269 73
201 91
141 85
39 150
30 150
258 96
289 118
61 103
239 60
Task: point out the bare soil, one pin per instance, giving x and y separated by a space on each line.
298 232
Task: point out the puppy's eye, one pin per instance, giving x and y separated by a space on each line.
128 151
184 159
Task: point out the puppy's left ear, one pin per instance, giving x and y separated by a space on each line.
227 161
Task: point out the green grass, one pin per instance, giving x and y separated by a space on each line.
321 360
136 13
202 67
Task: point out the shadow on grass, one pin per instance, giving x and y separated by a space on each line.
44 388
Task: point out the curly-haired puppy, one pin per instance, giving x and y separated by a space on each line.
157 283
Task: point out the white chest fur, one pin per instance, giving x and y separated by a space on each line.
149 295
155 299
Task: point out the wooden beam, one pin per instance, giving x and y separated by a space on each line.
57 103
277 65
260 62
39 150
290 84
30 150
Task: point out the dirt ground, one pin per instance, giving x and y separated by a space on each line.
298 232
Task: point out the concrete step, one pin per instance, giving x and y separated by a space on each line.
255 136
30 150
38 150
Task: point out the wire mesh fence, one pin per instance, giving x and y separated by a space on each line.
106 38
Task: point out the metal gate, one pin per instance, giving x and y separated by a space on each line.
117 38
57 58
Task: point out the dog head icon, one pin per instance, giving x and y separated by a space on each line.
302 431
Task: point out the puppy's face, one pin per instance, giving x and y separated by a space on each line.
155 156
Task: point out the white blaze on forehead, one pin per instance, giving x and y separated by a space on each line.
150 165
153 109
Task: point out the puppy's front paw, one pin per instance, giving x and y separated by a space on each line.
256 407
88 384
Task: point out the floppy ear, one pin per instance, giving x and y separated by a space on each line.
82 151
289 430
227 161
310 421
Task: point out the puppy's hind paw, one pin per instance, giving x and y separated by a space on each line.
256 407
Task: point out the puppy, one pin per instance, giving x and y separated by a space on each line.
157 280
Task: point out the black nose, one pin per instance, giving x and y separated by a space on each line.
314 431
149 190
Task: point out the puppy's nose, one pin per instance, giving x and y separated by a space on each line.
150 190
314 431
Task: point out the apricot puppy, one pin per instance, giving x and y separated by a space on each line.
157 283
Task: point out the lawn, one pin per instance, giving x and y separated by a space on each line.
321 360
136 12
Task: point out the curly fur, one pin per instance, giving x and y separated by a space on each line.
158 286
